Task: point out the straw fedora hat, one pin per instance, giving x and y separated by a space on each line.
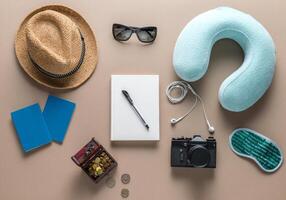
56 47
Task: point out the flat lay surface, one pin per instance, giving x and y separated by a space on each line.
49 172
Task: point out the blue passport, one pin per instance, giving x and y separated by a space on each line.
31 127
57 114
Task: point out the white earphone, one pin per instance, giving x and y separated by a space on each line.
184 87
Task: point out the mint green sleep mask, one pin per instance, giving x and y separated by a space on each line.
251 144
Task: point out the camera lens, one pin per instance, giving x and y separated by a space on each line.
199 156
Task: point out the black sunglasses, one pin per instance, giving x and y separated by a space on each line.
123 33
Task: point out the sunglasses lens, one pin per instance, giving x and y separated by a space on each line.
121 33
147 34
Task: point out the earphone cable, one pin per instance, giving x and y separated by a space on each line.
184 88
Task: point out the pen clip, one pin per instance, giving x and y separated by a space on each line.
126 94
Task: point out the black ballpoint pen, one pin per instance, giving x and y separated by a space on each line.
127 96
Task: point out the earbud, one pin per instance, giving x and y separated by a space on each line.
211 130
174 121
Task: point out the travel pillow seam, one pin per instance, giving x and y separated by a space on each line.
242 72
210 50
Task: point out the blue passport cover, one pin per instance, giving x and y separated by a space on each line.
57 114
31 128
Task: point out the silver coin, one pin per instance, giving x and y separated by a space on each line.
110 182
125 178
124 193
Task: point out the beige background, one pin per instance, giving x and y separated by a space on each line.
49 173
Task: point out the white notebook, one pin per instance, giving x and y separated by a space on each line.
125 123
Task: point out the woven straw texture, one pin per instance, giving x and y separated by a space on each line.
62 54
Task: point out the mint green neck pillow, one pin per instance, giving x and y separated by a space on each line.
249 82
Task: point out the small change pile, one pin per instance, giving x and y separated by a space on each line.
99 165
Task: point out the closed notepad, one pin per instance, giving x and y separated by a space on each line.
31 128
57 114
125 123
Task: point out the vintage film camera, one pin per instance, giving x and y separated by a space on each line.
193 152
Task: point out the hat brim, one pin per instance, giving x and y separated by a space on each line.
90 59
